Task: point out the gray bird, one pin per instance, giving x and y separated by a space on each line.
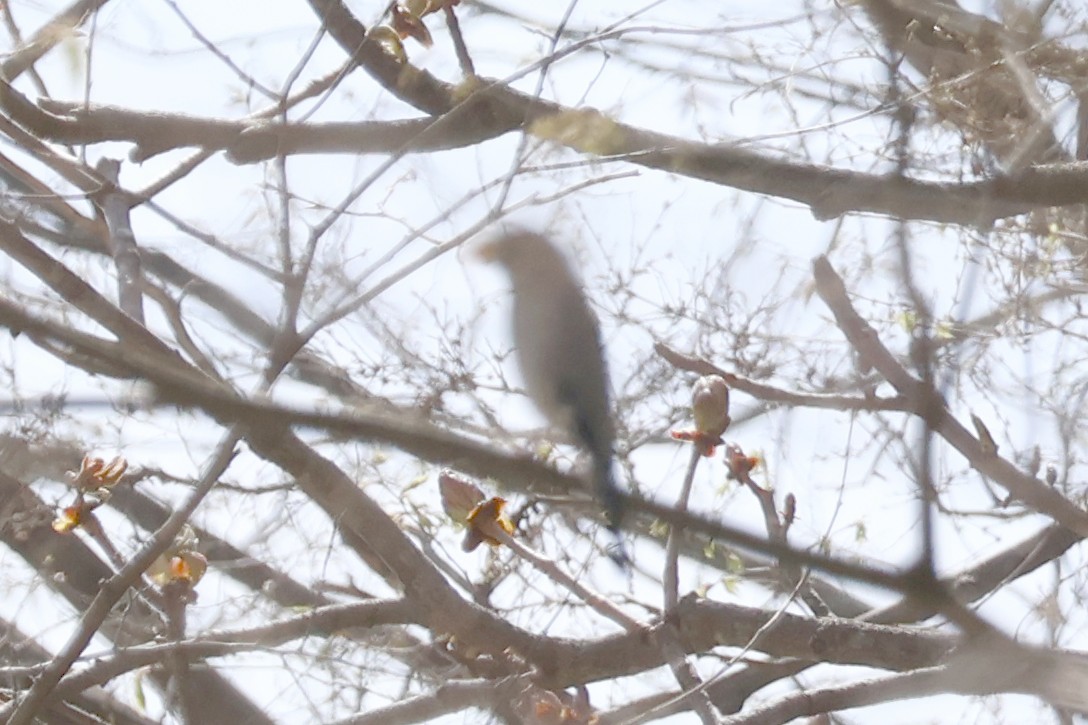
559 352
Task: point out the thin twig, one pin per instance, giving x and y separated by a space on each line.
27 707
672 545
553 571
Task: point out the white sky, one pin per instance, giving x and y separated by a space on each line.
144 58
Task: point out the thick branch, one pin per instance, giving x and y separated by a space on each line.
495 110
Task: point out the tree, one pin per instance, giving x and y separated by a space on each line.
286 403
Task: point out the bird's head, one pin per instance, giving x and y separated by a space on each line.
521 252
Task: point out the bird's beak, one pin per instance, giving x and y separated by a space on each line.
486 251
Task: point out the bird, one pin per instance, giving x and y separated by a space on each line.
558 347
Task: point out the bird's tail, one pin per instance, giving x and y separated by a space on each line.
611 499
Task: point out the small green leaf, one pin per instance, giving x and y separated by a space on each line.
733 564
141 696
416 482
